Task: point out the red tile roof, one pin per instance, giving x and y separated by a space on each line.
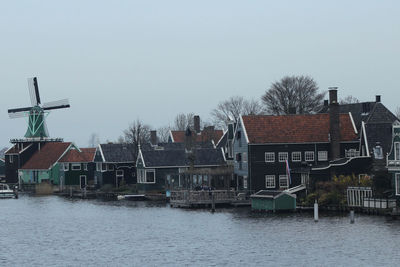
295 128
44 158
13 150
73 155
204 136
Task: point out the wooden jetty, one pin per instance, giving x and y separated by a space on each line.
204 198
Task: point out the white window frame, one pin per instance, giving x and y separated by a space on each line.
245 182
98 166
244 157
85 166
309 156
11 158
66 167
154 173
322 155
76 167
269 181
294 154
283 177
283 156
269 156
305 178
397 183
103 167
396 155
110 167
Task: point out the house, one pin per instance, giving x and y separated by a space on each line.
115 164
43 165
208 134
2 170
77 168
270 200
278 152
167 166
226 142
393 162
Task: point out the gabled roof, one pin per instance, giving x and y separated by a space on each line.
118 152
47 156
313 128
203 136
377 112
73 155
179 157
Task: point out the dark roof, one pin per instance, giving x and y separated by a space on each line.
179 157
73 155
44 158
203 136
262 129
369 112
118 152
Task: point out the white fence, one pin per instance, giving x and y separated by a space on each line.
356 195
377 203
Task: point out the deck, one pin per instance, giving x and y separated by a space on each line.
191 198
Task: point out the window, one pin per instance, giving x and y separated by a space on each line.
11 158
230 149
322 155
98 166
269 181
103 167
146 176
282 156
244 157
352 153
305 178
61 166
296 156
397 151
269 157
110 167
283 181
85 166
66 167
76 166
245 182
309 155
397 181
119 174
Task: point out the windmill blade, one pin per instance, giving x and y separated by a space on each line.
15 115
32 90
35 83
15 110
63 103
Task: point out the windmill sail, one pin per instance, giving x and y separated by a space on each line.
63 103
34 91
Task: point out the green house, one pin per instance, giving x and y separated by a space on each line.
269 200
393 162
43 165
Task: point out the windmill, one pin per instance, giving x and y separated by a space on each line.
38 112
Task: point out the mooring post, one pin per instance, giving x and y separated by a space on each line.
70 192
212 202
352 216
316 211
16 192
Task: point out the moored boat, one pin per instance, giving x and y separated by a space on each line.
6 192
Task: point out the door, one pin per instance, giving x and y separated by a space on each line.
83 181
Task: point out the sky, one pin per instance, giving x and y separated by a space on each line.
119 61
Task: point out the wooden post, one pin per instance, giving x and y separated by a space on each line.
316 211
70 192
352 216
212 202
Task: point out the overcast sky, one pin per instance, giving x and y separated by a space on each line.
121 60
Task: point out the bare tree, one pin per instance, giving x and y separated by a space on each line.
349 100
163 134
232 108
182 121
293 93
94 140
136 134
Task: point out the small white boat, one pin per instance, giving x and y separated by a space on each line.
6 192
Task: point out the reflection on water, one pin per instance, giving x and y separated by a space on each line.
56 231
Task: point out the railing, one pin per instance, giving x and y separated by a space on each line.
352 153
378 203
202 197
356 196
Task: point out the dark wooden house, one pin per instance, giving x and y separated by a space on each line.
279 152
77 169
169 166
2 170
393 162
115 164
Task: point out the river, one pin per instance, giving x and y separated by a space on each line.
54 231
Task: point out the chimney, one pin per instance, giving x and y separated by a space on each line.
334 128
326 103
377 98
196 123
153 138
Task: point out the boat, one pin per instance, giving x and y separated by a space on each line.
6 192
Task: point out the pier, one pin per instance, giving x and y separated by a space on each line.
191 198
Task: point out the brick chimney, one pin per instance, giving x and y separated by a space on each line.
153 138
334 124
377 98
196 123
